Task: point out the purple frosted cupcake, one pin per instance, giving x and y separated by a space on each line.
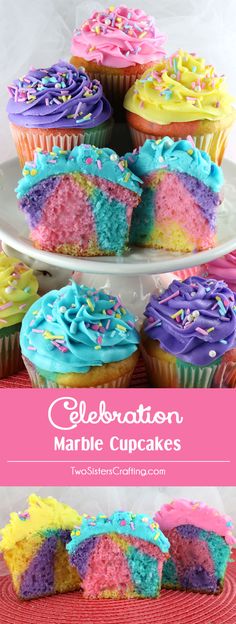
59 105
189 335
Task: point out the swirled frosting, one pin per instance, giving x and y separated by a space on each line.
182 156
179 88
122 522
87 159
119 37
193 320
183 511
224 269
42 514
59 96
18 290
76 328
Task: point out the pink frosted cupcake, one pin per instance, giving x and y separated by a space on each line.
201 540
197 270
116 46
224 269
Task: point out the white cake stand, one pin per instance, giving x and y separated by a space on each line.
133 276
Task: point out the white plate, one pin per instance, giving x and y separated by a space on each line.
13 231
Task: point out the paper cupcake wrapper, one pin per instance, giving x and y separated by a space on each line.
214 144
41 382
10 355
26 141
184 273
115 86
179 374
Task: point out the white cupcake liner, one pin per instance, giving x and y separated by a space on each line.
10 355
212 143
38 381
114 85
27 142
170 375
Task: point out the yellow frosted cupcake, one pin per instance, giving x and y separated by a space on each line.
178 97
79 337
18 290
34 548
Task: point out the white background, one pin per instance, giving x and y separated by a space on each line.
34 32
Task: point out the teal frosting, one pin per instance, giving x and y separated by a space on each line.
181 156
140 526
76 328
86 159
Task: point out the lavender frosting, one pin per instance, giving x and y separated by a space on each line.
60 96
193 320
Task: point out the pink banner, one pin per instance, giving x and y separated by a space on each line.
109 437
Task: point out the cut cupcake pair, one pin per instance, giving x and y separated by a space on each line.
90 202
50 549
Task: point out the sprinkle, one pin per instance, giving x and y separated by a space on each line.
123 523
130 323
8 290
223 341
90 305
99 339
89 161
173 316
210 330
6 305
156 536
97 347
32 349
200 330
121 328
38 331
22 306
33 172
143 34
60 347
3 321
99 164
132 526
62 309
108 324
176 294
212 353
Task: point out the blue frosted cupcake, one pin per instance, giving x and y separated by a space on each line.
79 337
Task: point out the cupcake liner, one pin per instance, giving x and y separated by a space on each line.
192 271
27 140
180 374
41 382
10 355
212 143
115 87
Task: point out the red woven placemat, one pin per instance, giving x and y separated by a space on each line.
171 608
21 380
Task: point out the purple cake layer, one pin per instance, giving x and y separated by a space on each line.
38 580
207 199
32 204
80 557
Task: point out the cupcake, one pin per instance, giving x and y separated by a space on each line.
116 46
79 202
34 548
79 337
224 269
189 335
18 290
178 97
59 106
196 270
119 557
181 194
201 541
